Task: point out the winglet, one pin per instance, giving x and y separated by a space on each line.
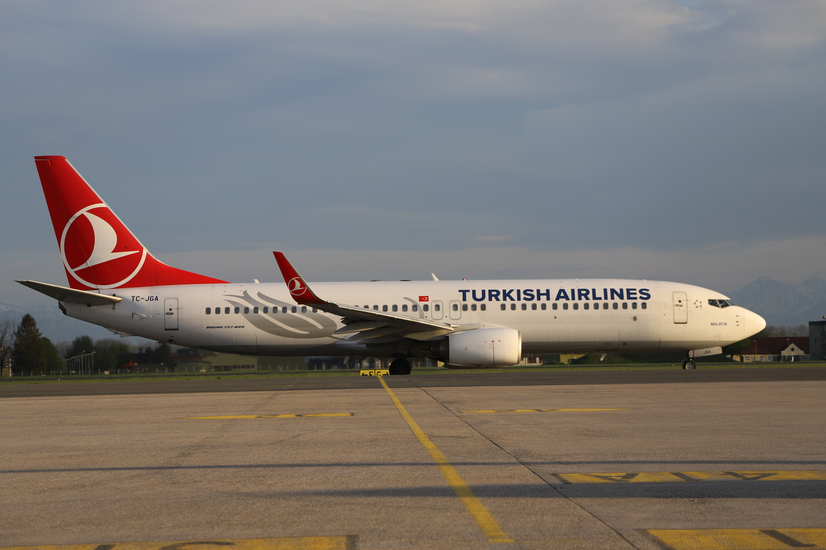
299 290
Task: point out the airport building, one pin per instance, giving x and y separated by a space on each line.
781 348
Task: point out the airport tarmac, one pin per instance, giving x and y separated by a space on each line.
414 463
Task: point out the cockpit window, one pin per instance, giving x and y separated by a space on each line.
720 303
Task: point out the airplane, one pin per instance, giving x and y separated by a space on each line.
115 282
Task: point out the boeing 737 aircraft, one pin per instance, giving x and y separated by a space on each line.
116 283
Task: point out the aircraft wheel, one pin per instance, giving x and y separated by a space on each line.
400 365
689 364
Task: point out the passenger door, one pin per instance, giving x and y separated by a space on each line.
680 307
170 314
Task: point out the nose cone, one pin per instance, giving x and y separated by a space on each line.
753 323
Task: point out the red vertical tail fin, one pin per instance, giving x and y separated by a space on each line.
98 250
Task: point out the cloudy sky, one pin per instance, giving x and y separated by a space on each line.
676 140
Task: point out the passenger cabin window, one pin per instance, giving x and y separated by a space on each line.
384 307
208 310
616 305
633 305
644 305
255 309
502 307
237 310
513 307
464 307
425 307
473 307
555 306
267 309
545 306
564 306
483 307
226 310
395 307
404 307
533 307
625 305
246 310
294 309
585 305
437 307
576 305
284 309
414 307
455 307
303 309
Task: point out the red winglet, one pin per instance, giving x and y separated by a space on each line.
295 283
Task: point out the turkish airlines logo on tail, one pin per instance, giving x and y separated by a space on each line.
296 287
98 250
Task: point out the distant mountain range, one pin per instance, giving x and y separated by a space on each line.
781 304
778 303
53 324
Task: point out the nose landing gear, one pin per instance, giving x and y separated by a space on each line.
689 364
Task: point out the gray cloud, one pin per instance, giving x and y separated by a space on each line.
522 131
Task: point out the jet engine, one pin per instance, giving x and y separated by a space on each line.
484 347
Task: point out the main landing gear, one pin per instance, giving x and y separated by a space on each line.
400 365
687 364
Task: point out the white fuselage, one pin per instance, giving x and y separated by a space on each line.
551 315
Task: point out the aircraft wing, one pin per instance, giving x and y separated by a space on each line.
367 325
72 296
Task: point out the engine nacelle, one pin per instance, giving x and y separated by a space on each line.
484 347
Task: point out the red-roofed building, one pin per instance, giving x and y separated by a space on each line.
780 348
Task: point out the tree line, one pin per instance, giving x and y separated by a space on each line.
29 353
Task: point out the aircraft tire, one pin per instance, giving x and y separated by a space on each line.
690 365
400 366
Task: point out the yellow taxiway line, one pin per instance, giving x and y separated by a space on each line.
739 539
248 416
285 543
538 411
483 518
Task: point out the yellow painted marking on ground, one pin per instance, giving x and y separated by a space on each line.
688 477
247 416
538 411
374 372
286 543
483 518
740 539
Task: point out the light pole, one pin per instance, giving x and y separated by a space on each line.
82 362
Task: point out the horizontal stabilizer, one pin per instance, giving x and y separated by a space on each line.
72 296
